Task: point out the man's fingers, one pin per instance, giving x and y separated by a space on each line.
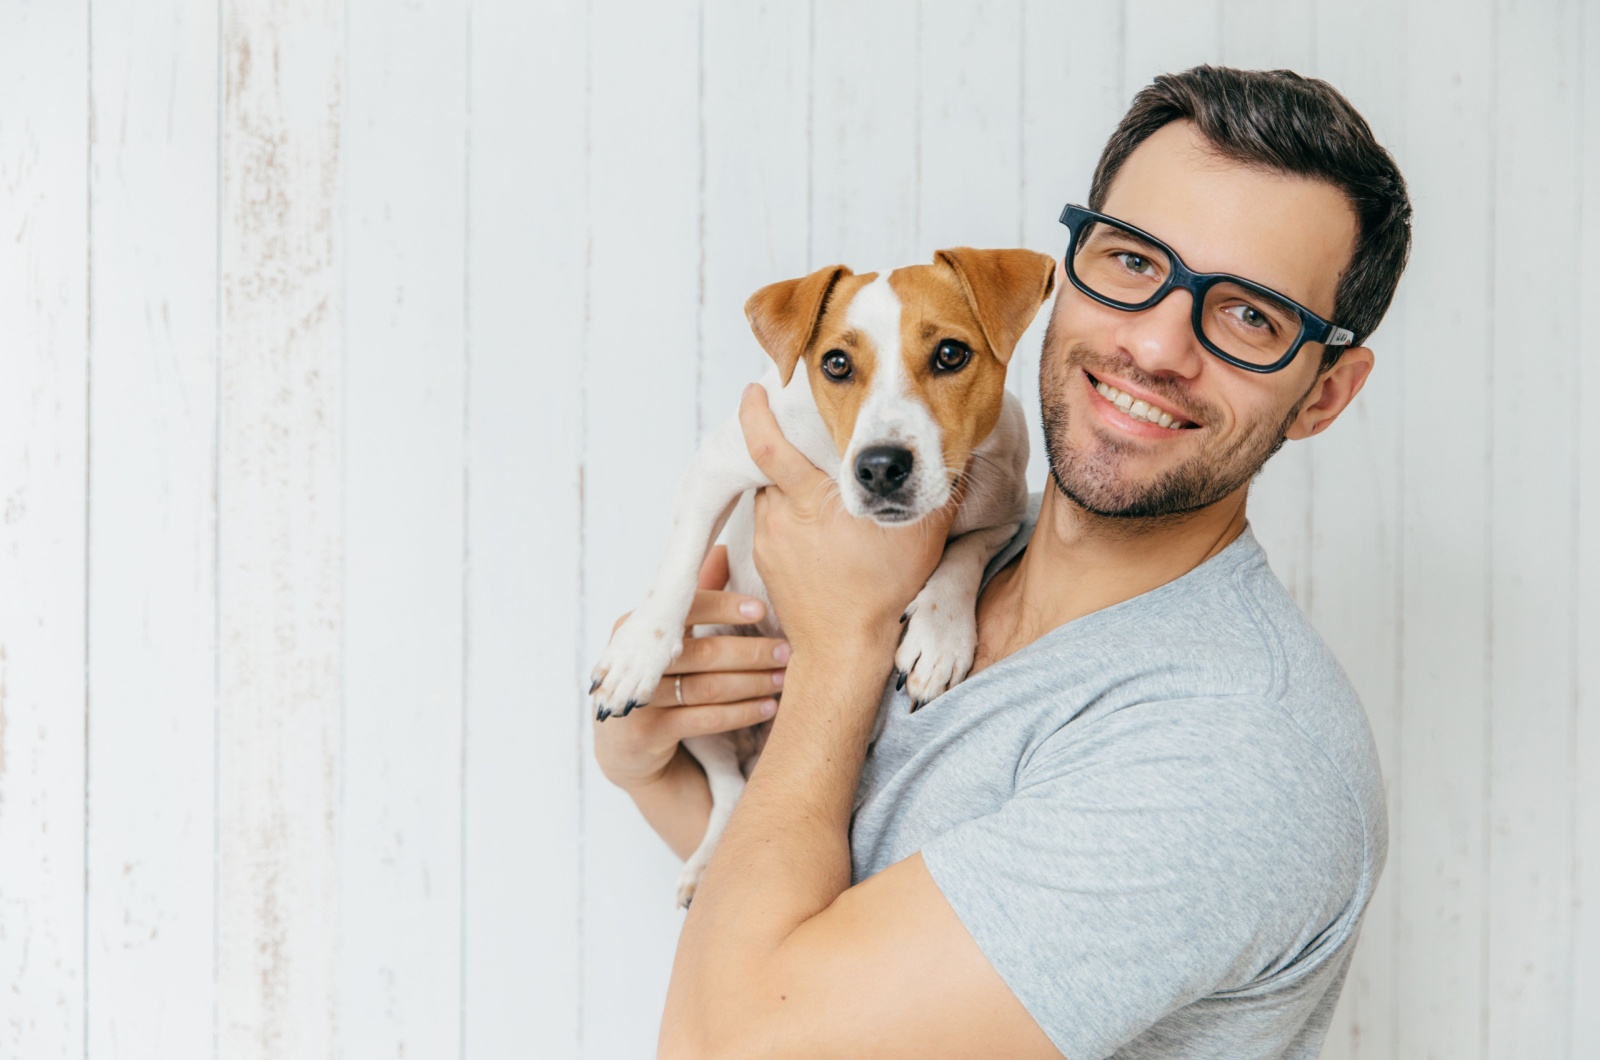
717 687
714 571
713 607
785 465
722 717
701 654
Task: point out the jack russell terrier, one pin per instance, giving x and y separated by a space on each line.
904 384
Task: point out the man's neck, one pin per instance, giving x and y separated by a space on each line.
1077 563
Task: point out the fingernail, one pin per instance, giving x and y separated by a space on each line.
768 707
750 609
777 678
781 652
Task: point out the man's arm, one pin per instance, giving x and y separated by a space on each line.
779 955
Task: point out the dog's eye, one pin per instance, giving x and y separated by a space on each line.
836 364
951 356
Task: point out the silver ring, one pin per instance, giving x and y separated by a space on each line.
677 690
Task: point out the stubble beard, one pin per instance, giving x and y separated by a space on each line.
1096 480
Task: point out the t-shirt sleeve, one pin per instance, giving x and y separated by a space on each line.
1168 852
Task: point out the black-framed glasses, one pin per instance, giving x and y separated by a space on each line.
1239 320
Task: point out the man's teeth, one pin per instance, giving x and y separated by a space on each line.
1138 409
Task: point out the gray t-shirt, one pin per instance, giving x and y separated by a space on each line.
1160 822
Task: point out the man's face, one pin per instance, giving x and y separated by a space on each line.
1289 233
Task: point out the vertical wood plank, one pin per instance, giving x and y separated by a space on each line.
865 186
1438 846
1165 36
1533 416
1072 99
969 117
1583 1016
755 206
1263 35
151 901
43 464
640 420
527 236
279 541
404 461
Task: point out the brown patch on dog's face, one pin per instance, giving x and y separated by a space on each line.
936 320
838 400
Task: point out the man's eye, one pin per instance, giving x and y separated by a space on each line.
1134 262
1250 317
951 356
836 364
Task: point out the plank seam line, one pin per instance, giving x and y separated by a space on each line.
216 552
583 544
1487 778
88 461
462 1008
700 226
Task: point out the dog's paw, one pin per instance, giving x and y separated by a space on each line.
688 883
630 668
936 652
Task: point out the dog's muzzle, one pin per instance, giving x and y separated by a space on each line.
883 469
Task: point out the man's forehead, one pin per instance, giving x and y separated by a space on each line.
1294 234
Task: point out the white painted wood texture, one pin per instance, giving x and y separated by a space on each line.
280 532
150 905
352 351
44 273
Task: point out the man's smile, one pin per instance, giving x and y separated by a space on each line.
1132 410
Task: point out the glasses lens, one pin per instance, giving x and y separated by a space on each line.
1247 324
1117 264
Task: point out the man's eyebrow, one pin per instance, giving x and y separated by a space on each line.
1112 232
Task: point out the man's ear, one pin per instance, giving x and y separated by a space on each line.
1005 289
784 315
1332 393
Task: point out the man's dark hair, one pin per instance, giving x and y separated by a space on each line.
1281 121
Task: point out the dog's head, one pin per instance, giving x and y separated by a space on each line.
908 369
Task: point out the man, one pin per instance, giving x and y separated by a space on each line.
1148 824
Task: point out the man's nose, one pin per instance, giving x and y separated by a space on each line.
1161 339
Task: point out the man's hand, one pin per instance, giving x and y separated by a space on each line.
728 683
832 578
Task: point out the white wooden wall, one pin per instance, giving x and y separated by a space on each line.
350 351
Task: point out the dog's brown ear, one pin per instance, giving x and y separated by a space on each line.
784 315
1005 289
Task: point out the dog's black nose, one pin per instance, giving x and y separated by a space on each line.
882 469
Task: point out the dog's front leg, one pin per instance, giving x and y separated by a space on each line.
941 628
652 636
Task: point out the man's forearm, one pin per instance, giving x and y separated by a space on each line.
677 804
785 855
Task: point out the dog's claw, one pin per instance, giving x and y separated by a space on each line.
627 708
916 705
602 714
899 680
594 685
903 616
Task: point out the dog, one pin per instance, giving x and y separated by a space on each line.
902 396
